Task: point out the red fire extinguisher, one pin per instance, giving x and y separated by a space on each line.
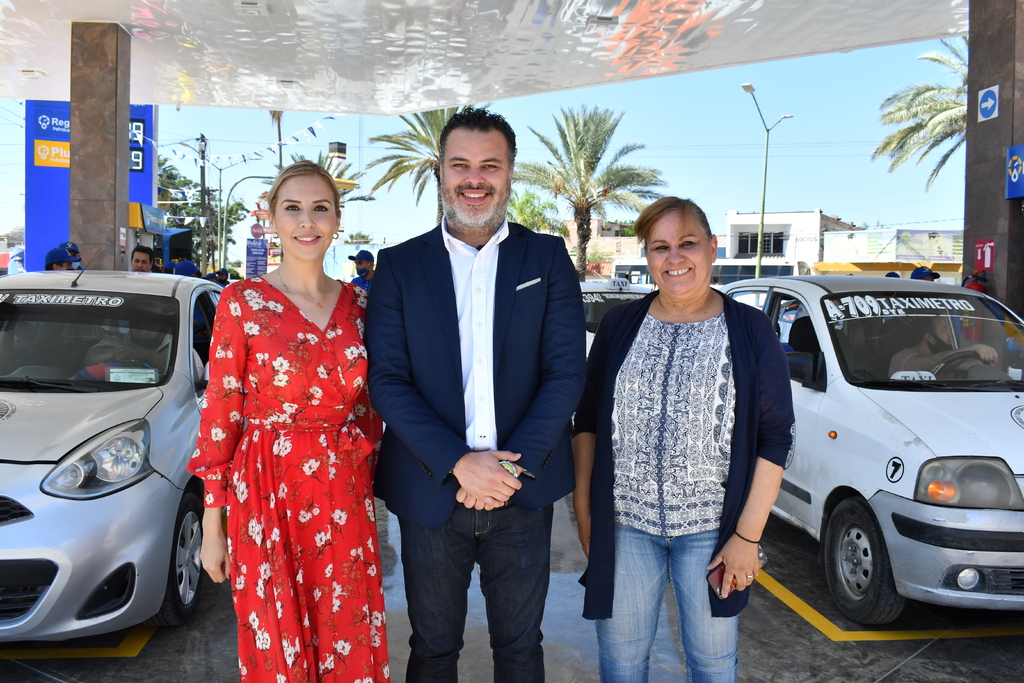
975 281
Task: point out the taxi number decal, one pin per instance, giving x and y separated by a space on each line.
867 306
894 470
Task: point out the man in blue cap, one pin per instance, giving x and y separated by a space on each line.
364 269
924 273
72 250
186 268
59 259
223 277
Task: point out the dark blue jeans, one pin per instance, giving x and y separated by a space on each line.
513 548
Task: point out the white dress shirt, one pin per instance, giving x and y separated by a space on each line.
473 273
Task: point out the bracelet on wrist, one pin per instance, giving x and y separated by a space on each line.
737 534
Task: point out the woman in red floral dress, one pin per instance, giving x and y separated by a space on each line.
288 441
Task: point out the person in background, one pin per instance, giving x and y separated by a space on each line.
142 259
288 441
892 273
186 268
59 259
212 277
680 439
72 250
924 273
364 269
223 277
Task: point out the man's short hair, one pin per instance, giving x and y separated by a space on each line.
482 121
148 251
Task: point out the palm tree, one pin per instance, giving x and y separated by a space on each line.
931 114
530 209
275 118
584 137
419 150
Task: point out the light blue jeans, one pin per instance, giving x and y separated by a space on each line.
643 565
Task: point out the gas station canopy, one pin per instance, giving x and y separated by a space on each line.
399 56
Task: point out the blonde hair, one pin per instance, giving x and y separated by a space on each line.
301 168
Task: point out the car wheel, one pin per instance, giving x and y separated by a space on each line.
857 565
184 581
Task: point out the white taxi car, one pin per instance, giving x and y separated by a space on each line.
100 377
598 297
908 465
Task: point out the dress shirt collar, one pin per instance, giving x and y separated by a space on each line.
452 243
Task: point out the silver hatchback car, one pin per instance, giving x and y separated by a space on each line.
101 375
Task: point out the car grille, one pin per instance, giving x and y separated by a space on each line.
1005 581
22 583
11 510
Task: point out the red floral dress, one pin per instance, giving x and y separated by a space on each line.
288 441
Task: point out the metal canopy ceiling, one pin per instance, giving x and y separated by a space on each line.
398 56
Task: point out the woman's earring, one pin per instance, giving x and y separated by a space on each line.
337 234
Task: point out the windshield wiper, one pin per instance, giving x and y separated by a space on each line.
1011 384
909 384
31 384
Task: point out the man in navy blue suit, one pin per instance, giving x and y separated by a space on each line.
476 340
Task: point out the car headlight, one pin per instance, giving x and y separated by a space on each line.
984 483
109 462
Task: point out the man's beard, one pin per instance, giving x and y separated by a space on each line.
467 224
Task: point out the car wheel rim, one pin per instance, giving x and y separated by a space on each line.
855 562
187 562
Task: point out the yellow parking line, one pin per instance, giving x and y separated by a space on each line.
836 634
131 646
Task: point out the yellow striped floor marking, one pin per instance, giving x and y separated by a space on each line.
836 634
131 646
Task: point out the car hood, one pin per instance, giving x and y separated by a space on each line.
45 427
961 423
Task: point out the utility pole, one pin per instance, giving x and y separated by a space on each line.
203 204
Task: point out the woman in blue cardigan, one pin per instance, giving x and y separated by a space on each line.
680 441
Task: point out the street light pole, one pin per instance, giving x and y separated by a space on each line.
202 203
227 202
747 87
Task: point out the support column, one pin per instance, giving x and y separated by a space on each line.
100 74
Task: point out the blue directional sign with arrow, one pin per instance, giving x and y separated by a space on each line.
988 103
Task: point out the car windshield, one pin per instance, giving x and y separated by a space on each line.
596 304
896 340
54 341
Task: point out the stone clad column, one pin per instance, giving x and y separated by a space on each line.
996 58
100 73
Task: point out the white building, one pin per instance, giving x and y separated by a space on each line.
795 238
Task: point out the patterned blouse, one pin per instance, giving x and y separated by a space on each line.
672 425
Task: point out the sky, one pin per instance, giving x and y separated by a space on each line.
701 130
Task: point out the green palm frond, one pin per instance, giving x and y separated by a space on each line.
575 174
930 115
419 150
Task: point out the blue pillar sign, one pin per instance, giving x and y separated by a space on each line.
1015 172
988 103
47 171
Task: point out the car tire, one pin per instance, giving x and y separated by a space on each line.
184 581
857 565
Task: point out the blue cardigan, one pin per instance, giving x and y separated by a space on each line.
763 429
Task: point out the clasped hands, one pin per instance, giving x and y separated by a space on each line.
483 483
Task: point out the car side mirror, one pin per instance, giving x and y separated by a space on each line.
801 366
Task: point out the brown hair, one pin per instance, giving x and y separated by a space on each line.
686 209
301 168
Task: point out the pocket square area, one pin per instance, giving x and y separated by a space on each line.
528 284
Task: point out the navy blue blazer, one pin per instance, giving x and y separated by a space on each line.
415 375
763 429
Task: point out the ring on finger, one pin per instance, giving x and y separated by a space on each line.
750 576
